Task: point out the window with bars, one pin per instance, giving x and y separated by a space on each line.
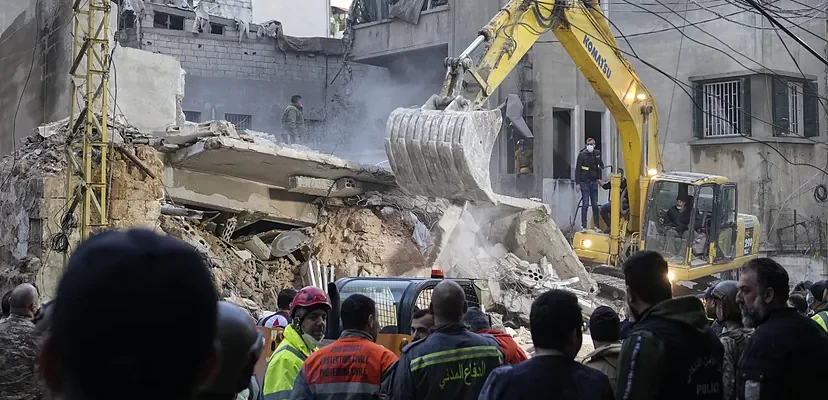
795 95
241 121
722 108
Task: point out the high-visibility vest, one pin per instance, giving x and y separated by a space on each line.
822 319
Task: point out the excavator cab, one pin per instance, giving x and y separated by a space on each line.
705 236
397 300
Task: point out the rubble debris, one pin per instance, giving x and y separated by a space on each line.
342 187
367 242
171 209
288 242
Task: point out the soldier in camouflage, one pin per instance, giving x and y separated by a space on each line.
734 336
18 347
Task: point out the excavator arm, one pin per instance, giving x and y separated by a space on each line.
443 149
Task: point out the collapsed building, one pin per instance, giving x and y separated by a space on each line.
267 216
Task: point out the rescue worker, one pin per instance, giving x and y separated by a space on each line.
553 373
524 159
478 322
678 216
588 172
452 362
734 336
605 329
281 318
18 347
241 345
118 276
787 352
293 120
351 367
309 311
625 199
421 323
671 342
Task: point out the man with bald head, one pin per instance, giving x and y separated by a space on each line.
452 362
18 347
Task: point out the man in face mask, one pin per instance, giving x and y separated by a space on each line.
309 311
678 216
588 173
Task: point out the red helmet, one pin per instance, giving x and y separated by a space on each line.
309 296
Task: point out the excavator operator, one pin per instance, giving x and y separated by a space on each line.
678 216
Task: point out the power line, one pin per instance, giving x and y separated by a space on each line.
698 106
772 76
788 32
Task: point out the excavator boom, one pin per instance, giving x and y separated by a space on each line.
443 148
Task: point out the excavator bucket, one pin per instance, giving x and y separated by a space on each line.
443 153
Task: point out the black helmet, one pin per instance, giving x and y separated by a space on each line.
241 345
725 293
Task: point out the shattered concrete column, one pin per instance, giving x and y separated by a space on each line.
536 236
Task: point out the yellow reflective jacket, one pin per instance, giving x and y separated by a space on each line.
284 365
821 318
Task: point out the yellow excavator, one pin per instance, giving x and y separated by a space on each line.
443 148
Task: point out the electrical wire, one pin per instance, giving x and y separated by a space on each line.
772 76
698 106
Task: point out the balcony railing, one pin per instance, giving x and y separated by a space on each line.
366 11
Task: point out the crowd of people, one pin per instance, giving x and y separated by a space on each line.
136 316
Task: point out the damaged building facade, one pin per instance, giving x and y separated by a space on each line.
772 144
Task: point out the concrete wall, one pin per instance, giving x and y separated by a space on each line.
36 56
148 86
232 9
306 18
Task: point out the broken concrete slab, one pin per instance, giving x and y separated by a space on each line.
535 235
321 187
191 133
225 193
271 163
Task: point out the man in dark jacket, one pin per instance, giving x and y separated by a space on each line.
678 216
557 333
671 353
452 362
734 336
588 172
787 351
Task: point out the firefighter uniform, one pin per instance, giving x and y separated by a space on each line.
350 368
284 365
451 363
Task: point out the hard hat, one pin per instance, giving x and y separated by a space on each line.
241 345
725 292
309 296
